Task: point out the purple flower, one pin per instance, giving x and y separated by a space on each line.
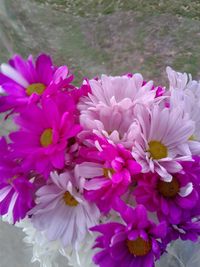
133 243
108 170
185 230
24 81
169 199
16 189
189 226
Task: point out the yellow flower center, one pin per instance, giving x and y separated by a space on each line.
108 172
46 137
10 181
168 189
35 88
139 247
70 200
157 150
192 138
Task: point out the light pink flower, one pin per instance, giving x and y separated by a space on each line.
61 210
163 140
109 109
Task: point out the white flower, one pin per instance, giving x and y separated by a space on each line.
185 93
44 251
82 255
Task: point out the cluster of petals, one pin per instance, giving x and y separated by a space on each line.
106 174
16 188
107 169
111 103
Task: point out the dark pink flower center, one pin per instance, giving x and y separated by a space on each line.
168 189
10 181
139 247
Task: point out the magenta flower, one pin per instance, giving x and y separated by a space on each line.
134 243
24 81
16 191
108 170
169 199
45 134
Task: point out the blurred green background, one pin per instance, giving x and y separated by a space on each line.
105 36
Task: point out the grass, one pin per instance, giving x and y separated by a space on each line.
106 36
184 8
112 36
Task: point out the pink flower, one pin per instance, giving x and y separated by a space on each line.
163 140
108 170
45 134
108 110
61 210
24 81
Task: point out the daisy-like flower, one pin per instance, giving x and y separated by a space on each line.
188 229
171 200
24 81
185 93
109 109
163 140
136 242
62 212
45 252
16 191
45 134
189 226
16 198
108 170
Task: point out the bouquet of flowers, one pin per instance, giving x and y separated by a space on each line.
106 174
